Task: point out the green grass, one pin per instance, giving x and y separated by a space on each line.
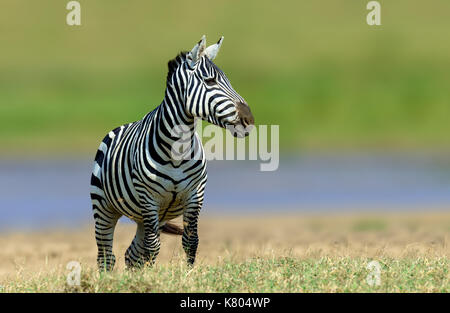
316 69
369 225
280 274
253 254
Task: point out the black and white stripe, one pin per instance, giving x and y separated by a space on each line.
135 173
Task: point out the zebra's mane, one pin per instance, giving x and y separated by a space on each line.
175 63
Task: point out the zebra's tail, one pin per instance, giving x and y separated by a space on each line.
172 229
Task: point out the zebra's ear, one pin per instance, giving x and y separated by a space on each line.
211 51
196 52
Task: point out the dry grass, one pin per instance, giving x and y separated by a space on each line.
320 245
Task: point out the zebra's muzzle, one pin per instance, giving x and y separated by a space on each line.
244 123
245 114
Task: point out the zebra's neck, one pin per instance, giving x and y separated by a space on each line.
169 126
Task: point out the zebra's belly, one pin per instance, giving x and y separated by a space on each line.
168 204
172 204
170 212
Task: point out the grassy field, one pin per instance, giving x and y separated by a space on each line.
314 68
267 254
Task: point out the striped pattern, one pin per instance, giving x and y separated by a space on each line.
136 175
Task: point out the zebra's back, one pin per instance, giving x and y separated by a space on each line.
108 167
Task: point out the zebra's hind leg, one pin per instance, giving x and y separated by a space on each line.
105 223
135 256
145 246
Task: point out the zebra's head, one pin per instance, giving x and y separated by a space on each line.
206 90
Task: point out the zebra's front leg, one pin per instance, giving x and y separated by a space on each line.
190 234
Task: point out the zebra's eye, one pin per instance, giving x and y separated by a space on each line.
210 81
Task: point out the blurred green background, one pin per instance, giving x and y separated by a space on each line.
315 68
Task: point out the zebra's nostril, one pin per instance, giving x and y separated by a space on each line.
245 114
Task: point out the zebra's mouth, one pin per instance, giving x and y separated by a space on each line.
243 122
238 129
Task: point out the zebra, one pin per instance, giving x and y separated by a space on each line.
135 173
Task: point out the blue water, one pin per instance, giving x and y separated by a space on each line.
56 192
